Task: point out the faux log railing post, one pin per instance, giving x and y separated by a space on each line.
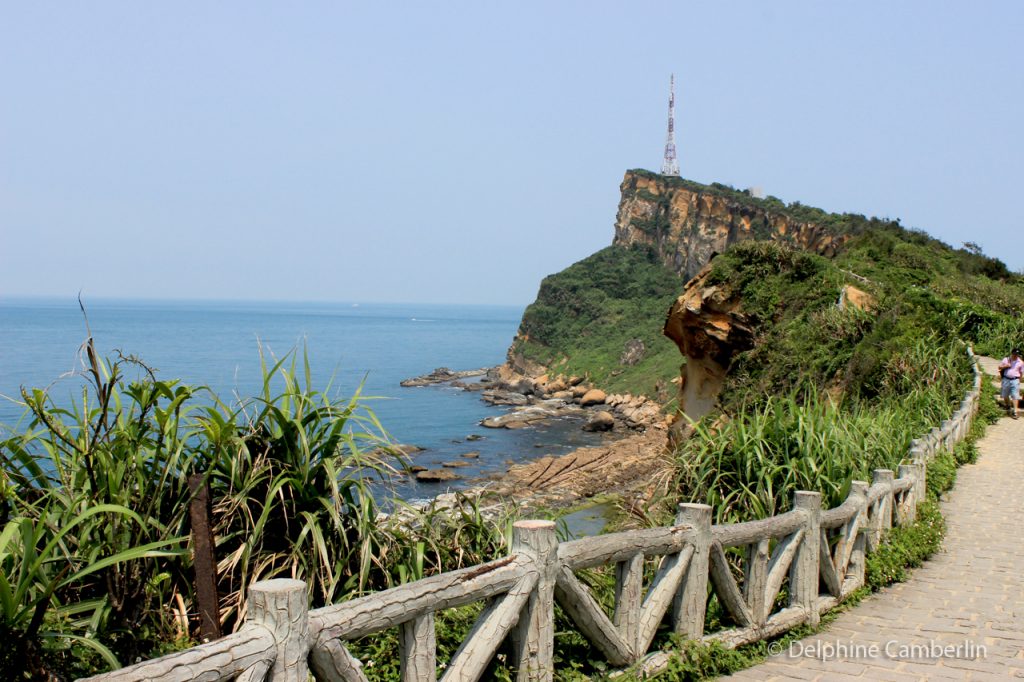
856 565
804 571
417 646
533 637
883 518
282 607
692 600
920 483
917 451
629 594
907 511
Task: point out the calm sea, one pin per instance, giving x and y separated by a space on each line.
217 345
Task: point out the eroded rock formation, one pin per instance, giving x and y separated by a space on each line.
709 326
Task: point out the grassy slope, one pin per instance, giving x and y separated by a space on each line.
584 315
889 374
923 289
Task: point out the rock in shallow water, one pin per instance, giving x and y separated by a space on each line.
437 476
602 421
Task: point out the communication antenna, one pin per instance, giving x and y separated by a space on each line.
670 166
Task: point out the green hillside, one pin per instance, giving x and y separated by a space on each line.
585 316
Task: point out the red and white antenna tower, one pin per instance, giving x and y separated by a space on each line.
670 166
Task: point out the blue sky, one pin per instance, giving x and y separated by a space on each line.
461 152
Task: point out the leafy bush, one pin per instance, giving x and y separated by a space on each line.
905 547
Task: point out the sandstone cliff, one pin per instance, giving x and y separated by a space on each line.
687 223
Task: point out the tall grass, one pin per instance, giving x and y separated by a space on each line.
998 336
95 501
748 465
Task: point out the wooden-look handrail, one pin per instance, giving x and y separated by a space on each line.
810 546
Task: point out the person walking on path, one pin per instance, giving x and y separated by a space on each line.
1010 369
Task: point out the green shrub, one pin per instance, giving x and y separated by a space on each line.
941 474
905 547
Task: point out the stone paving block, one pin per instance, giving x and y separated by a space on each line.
835 666
931 671
890 675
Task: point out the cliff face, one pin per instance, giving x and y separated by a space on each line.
687 223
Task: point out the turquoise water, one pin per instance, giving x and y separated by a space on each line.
217 345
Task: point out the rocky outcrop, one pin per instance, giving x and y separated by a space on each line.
522 416
633 352
852 297
634 466
436 476
636 412
601 421
688 223
442 375
709 326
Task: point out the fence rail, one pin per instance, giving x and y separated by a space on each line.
802 550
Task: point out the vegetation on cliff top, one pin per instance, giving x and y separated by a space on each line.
585 315
826 394
922 289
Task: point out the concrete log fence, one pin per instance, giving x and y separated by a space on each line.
808 546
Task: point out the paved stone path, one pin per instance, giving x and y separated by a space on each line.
961 615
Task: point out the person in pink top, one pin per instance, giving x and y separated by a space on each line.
1011 369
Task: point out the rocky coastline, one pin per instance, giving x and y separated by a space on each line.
625 463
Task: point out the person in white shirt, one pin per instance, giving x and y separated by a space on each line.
1010 369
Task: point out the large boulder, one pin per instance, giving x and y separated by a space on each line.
602 421
396 450
555 386
594 396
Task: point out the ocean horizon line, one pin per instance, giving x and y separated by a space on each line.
73 301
